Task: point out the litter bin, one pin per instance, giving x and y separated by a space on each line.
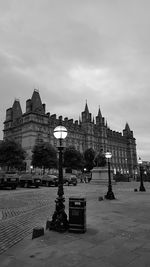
77 215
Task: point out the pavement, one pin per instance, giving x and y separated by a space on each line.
118 233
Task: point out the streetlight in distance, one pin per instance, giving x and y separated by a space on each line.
142 188
59 219
110 194
31 168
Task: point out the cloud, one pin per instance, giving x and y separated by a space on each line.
78 50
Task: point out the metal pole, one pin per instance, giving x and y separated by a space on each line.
59 219
60 192
109 178
110 194
142 188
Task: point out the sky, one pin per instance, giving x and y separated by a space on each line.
75 51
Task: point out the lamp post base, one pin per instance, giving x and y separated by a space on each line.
110 195
59 220
142 188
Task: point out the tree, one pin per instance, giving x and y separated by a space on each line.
44 156
73 159
89 156
12 155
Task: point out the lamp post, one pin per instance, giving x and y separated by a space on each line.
31 168
128 175
142 188
110 194
59 219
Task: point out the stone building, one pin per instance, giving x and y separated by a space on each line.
35 125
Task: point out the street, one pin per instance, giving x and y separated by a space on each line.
25 208
21 210
117 231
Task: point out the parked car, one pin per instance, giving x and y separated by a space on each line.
29 179
9 179
70 179
50 180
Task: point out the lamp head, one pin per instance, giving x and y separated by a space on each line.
108 155
60 132
139 161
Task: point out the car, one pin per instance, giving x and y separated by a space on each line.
29 179
70 179
9 179
50 180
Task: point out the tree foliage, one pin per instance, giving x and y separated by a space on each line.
73 159
89 156
12 155
44 156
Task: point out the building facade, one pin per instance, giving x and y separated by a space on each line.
36 125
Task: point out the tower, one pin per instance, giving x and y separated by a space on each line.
88 127
35 104
16 110
27 128
131 149
101 131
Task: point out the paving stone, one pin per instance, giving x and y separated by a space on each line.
117 231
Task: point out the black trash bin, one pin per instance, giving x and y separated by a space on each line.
77 215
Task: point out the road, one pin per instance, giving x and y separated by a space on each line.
118 232
23 209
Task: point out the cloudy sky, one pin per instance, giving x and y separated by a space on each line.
78 50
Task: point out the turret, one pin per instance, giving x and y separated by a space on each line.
127 132
36 103
86 115
131 149
16 110
99 118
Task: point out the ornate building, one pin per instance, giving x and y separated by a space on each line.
35 125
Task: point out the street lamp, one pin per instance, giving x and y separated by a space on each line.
59 219
142 188
31 168
110 194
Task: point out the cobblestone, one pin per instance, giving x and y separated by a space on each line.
117 231
21 212
11 212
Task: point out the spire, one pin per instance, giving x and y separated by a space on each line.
86 115
86 107
16 109
99 119
36 103
127 132
99 112
127 128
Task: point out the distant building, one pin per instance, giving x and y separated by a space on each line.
35 125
